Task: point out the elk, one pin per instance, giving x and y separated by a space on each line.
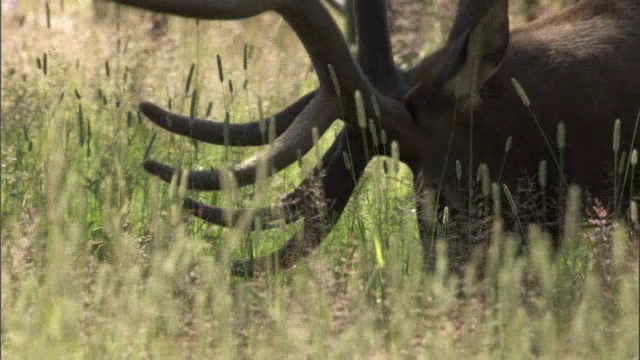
580 66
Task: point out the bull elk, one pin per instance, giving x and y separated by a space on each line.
580 66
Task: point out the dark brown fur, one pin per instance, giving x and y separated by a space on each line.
579 67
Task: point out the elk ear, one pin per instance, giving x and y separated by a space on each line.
478 52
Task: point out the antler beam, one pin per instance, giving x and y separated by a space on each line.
212 132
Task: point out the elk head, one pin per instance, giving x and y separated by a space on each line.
456 104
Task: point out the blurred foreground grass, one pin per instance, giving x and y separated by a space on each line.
98 260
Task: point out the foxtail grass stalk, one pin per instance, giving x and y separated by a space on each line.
542 181
507 148
48 13
633 213
634 164
527 103
395 155
362 121
459 174
514 207
629 172
220 71
572 216
616 151
187 86
497 203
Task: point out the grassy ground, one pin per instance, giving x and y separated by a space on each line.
98 260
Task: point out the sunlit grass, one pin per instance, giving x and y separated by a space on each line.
99 261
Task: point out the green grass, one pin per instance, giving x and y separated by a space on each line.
99 261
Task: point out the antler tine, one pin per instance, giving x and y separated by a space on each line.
375 54
212 132
289 207
283 151
270 217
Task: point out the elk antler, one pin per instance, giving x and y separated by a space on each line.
339 78
326 47
212 132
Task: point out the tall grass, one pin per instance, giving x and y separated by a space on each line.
99 261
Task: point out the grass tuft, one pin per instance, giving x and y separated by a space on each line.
99 260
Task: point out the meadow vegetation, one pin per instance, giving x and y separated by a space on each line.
99 260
